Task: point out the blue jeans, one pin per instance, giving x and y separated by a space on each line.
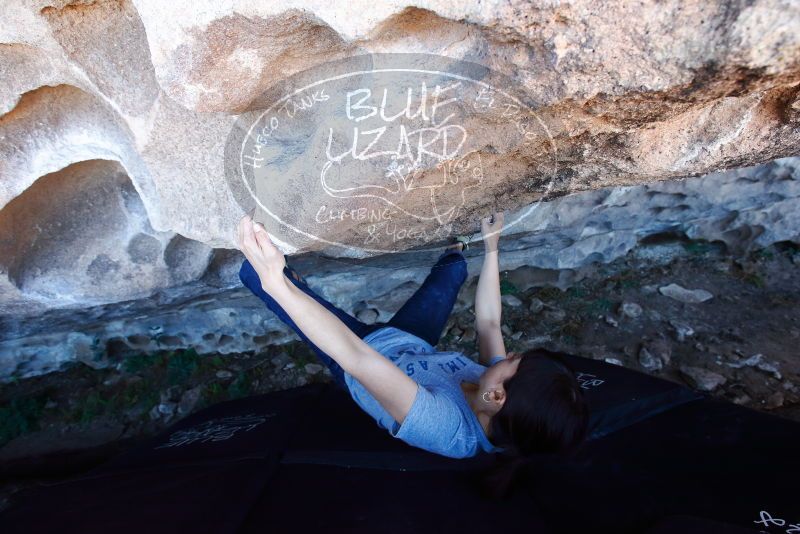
424 314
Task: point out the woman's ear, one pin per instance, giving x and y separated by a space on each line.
499 397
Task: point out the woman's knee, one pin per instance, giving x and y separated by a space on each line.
462 270
456 266
250 279
248 276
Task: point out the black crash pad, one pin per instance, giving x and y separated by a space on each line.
710 460
619 397
662 459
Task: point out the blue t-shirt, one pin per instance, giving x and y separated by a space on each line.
440 420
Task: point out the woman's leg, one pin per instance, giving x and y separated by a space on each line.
426 312
250 279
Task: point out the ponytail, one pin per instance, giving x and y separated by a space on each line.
545 414
499 480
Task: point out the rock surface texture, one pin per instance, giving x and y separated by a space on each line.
744 210
114 117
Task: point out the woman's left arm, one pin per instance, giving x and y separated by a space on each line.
488 305
390 386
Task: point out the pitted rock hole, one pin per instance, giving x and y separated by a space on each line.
143 248
186 258
101 266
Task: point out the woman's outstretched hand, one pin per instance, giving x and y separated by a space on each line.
490 229
256 245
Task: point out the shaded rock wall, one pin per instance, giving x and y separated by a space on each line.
114 115
744 209
81 233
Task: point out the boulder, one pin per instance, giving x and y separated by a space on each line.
688 296
118 122
702 379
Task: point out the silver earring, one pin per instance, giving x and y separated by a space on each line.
484 397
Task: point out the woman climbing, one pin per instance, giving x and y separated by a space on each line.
443 402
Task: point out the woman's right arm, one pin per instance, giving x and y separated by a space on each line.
390 386
488 307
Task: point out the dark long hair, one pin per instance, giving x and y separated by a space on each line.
544 414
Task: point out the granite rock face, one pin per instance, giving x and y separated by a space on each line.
114 118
